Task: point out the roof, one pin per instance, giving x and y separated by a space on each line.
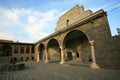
12 42
7 41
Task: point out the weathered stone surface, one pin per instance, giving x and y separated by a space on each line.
78 27
75 14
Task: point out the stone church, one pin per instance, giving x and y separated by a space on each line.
80 35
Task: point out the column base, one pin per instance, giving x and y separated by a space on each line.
46 61
94 66
37 60
62 62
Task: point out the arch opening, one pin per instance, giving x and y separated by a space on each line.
6 50
41 52
53 50
77 47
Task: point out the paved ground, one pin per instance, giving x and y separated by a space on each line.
52 71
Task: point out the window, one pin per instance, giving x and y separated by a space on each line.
16 49
68 22
21 58
22 50
27 58
27 49
15 59
32 58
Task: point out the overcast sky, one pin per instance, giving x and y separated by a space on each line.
31 20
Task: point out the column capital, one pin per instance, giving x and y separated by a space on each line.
61 47
91 42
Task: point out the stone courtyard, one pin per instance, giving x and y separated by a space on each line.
54 71
80 35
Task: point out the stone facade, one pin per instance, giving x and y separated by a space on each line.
16 50
111 52
75 31
79 36
75 14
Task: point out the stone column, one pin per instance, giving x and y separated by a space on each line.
93 65
38 57
36 54
62 55
46 56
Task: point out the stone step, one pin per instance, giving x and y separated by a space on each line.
77 63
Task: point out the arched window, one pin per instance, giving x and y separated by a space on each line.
16 49
6 50
27 50
22 50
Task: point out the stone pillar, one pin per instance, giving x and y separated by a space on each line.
36 54
62 55
46 56
38 57
93 65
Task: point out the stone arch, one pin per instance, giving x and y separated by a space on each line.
77 47
53 50
41 51
6 50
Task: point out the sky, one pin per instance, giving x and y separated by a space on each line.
32 20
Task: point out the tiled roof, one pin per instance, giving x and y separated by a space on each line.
7 41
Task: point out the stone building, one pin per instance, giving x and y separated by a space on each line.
84 36
81 36
17 51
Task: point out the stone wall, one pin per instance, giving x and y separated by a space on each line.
99 31
112 53
107 48
96 27
73 15
25 55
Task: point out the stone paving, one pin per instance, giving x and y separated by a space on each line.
52 71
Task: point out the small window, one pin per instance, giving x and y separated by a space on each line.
68 22
27 58
32 58
15 59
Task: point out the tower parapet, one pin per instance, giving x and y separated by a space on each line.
75 14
